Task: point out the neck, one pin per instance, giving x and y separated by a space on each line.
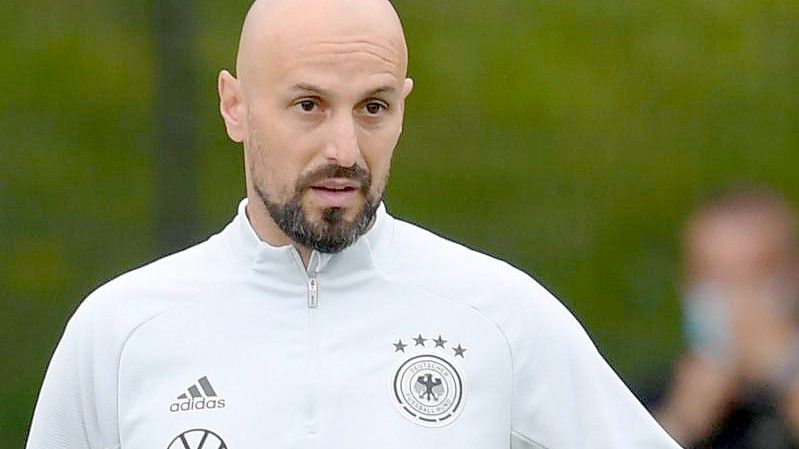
268 231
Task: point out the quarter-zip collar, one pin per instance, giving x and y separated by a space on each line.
285 262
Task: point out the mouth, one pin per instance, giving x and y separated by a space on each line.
336 192
337 185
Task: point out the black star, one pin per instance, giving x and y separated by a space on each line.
399 346
459 351
440 342
419 340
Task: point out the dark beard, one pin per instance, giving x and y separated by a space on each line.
332 233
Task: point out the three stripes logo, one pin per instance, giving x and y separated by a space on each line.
202 398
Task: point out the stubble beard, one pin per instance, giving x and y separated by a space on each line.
332 233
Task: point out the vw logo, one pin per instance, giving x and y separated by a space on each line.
197 439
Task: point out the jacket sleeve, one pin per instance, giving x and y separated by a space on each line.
66 411
565 394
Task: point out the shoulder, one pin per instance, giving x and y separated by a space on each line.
504 293
538 328
120 305
421 245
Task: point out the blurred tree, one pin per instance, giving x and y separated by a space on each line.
175 120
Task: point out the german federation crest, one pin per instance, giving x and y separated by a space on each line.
427 388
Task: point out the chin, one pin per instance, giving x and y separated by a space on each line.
316 213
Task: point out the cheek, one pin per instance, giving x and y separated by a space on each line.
279 154
378 148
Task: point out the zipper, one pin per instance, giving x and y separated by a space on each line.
313 291
313 344
311 271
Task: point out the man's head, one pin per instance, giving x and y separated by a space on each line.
318 104
743 236
742 271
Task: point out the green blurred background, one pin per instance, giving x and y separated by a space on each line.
570 138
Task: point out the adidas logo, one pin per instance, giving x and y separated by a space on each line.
202 398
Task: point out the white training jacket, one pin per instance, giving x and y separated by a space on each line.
403 340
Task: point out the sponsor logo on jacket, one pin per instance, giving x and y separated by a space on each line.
199 396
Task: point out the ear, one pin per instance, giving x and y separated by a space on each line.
232 107
407 87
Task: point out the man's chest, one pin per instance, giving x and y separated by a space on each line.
387 371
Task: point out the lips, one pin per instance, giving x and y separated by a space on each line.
336 192
336 185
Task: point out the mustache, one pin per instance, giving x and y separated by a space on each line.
354 172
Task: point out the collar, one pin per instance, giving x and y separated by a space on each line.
266 259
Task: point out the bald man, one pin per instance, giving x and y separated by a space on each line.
315 319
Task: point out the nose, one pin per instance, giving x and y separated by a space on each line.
342 145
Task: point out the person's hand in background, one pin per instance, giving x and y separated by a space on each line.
699 400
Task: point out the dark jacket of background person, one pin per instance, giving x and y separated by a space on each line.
753 422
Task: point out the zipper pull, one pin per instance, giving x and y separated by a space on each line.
313 293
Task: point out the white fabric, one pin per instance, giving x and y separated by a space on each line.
234 310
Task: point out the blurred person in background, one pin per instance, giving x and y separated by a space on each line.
737 384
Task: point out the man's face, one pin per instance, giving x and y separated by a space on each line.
323 113
732 249
741 286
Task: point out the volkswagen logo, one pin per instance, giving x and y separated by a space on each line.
197 439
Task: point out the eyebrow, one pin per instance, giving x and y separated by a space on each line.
307 87
314 89
387 89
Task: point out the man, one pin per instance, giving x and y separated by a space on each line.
737 385
315 319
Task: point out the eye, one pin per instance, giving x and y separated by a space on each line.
307 105
375 107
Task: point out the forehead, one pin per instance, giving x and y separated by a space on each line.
334 41
731 245
350 60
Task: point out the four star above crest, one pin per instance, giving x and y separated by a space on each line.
399 346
